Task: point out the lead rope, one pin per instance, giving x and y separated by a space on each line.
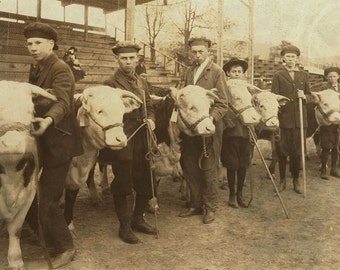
252 136
151 146
252 141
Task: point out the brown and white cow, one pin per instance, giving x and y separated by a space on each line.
19 166
101 119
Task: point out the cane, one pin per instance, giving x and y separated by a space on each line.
268 172
302 147
149 155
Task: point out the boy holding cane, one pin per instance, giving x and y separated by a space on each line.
293 84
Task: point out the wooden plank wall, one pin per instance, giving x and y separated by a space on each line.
94 54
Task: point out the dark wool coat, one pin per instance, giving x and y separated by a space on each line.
284 85
61 141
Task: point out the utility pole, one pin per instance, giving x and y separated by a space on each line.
220 11
251 41
250 6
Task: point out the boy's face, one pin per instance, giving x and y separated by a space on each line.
290 59
333 77
235 72
199 53
39 48
127 61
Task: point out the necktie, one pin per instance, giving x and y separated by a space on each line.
34 74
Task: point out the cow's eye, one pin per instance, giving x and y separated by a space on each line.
100 111
193 109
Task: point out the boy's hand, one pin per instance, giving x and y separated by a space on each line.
301 94
40 125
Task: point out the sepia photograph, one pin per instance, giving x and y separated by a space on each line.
169 134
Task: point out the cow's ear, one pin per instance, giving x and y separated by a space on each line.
130 101
211 94
282 100
316 96
86 95
173 93
253 89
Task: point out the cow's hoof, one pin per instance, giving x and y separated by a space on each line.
63 258
72 230
106 191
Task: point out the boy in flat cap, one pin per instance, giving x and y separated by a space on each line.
329 135
293 84
59 137
203 180
236 147
129 165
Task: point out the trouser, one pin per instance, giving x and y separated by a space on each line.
201 173
55 232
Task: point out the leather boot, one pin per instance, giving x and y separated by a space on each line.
231 184
138 222
282 185
323 173
125 233
208 216
297 186
241 175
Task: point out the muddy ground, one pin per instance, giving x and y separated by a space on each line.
260 237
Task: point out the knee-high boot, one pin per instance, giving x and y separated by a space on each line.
231 184
138 222
282 171
241 176
324 158
296 160
334 155
124 216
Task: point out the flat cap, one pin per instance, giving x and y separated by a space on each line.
125 47
41 30
290 49
199 41
235 62
331 69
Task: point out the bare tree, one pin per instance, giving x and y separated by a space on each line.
154 24
193 19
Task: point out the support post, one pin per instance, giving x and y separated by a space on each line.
220 9
130 20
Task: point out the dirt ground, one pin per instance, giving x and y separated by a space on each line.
260 237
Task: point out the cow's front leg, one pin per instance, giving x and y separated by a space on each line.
14 251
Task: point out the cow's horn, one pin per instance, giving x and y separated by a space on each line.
37 91
132 95
254 89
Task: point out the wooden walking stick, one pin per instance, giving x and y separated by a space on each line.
268 172
302 146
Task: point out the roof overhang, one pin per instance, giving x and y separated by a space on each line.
106 5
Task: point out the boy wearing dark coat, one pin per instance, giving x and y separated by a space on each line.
58 135
202 180
129 165
293 84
